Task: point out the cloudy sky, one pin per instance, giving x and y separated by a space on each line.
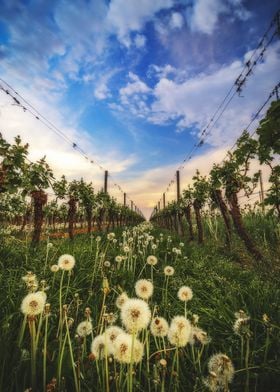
133 82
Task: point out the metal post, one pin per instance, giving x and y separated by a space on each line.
106 182
178 184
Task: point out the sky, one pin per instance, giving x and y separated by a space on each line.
133 83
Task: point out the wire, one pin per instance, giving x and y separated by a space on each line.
237 87
18 98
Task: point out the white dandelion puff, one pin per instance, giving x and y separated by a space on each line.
66 262
135 314
144 288
185 293
121 299
84 328
159 327
179 331
168 270
33 303
152 260
128 349
54 268
98 347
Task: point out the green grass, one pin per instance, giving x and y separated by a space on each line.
221 284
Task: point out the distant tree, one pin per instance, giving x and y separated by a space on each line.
234 177
12 164
37 178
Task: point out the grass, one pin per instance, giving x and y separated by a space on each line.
222 285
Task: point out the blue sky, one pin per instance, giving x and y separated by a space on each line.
133 81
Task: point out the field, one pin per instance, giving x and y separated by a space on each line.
234 312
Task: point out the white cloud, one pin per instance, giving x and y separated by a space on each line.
125 16
161 71
196 99
205 13
139 40
176 21
136 86
101 90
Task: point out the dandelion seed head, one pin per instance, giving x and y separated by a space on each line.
144 288
135 315
33 303
113 332
180 331
66 262
98 347
127 351
168 270
121 299
222 366
185 293
152 260
54 268
159 327
84 328
199 336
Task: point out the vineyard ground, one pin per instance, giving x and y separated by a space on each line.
221 287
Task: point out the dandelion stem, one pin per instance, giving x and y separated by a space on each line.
45 352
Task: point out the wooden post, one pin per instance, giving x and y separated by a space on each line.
178 184
131 205
164 200
261 192
159 205
124 199
106 181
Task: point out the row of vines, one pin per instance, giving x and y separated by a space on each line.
221 189
24 188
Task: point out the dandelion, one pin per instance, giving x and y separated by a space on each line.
152 260
144 288
98 239
135 314
181 244
118 259
185 293
111 236
126 249
154 247
121 299
113 332
168 270
221 365
198 336
33 303
159 327
98 347
49 245
128 349
54 268
31 281
110 317
107 264
84 328
179 331
66 262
